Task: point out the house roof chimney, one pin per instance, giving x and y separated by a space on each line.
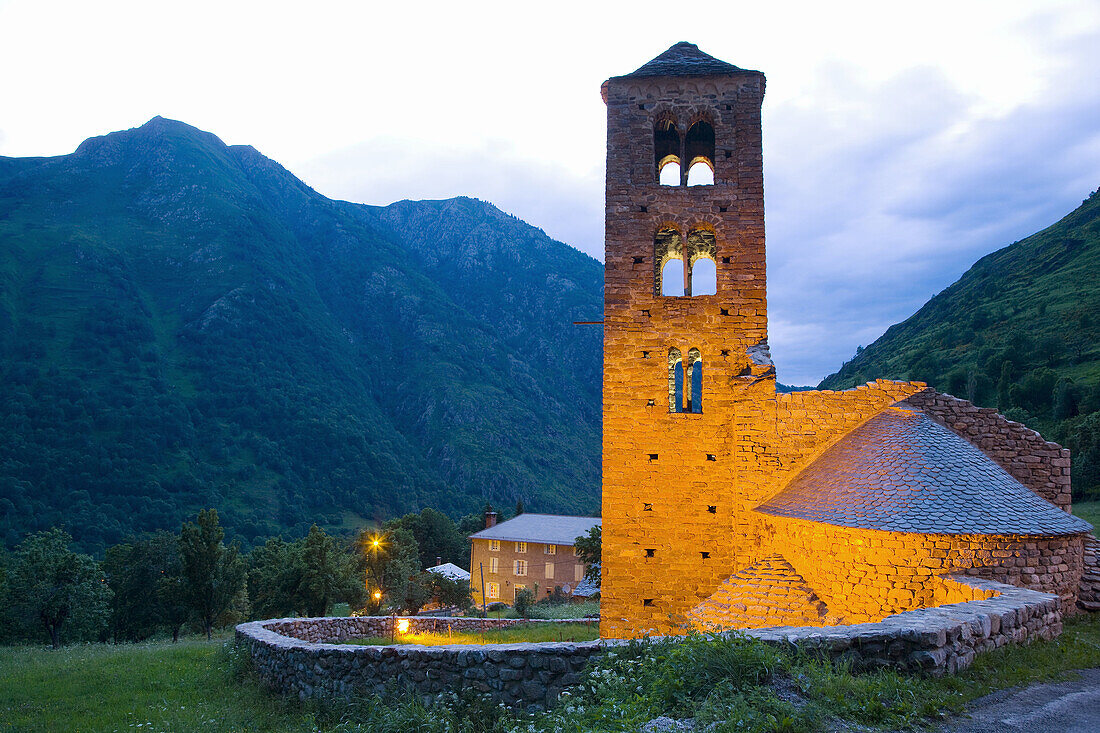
438 560
490 519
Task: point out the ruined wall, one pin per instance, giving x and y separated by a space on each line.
1039 465
863 575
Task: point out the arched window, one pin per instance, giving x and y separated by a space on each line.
700 173
693 382
672 277
699 145
666 150
675 381
670 172
704 277
668 253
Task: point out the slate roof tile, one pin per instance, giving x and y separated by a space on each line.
902 472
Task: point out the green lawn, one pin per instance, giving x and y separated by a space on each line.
534 632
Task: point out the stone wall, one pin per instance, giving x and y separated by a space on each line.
932 640
1088 592
864 575
1041 466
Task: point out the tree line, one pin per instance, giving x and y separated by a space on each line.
163 583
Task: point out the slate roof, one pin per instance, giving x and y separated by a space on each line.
450 570
902 472
586 589
553 529
685 59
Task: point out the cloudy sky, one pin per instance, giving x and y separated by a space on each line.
901 141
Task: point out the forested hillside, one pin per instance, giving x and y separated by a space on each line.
185 324
1019 331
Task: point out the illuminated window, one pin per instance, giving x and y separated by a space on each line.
494 564
675 381
494 590
700 174
699 151
550 549
666 151
578 573
575 551
549 571
693 382
494 545
521 547
670 172
519 567
704 277
668 254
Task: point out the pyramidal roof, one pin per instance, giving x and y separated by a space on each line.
902 472
685 59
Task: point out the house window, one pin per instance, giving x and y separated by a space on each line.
494 590
494 545
549 571
519 567
521 547
575 551
494 564
578 573
550 549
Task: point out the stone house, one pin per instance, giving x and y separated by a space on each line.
534 551
727 504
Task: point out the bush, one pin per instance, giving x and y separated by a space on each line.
525 598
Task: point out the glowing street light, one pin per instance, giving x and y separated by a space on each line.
403 626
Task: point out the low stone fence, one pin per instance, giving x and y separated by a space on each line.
294 656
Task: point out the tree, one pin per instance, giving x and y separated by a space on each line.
436 535
274 575
134 572
213 573
328 574
390 560
57 588
588 549
1004 387
519 507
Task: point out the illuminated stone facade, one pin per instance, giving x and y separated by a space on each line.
685 470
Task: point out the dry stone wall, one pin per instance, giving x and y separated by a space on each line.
292 656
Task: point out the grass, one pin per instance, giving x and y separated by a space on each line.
735 684
148 687
534 632
1090 512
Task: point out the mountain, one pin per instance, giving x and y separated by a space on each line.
185 324
1020 331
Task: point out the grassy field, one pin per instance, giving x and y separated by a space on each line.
146 687
534 632
548 611
200 686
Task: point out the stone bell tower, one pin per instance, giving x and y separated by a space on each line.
686 363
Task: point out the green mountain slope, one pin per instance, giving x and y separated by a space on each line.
1019 331
186 324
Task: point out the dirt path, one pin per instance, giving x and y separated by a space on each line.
1065 707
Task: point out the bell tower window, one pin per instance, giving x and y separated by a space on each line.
666 151
699 153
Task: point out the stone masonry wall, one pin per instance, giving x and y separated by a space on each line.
1041 466
864 575
933 640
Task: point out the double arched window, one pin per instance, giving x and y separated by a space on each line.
683 162
685 381
677 275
